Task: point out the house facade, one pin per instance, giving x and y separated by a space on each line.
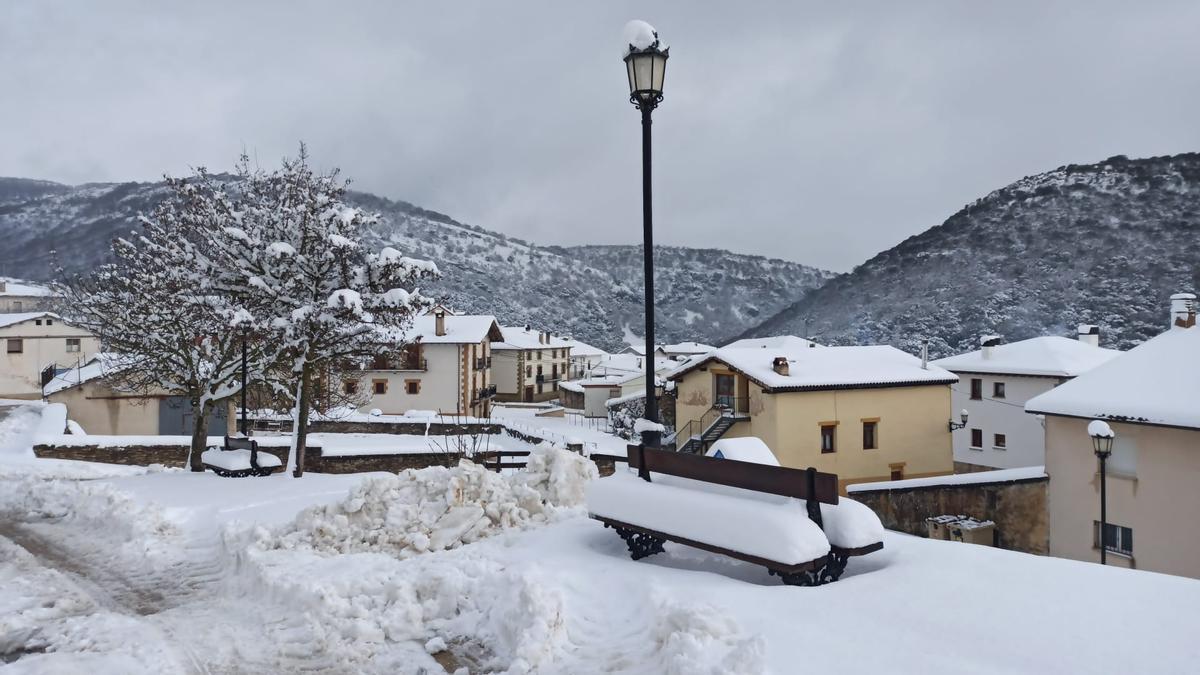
528 364
18 296
35 341
583 357
445 366
100 407
1150 397
995 382
864 413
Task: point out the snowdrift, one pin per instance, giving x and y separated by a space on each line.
439 508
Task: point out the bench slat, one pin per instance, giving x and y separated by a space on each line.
775 480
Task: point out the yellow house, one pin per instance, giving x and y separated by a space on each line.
864 413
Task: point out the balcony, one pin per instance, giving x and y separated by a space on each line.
483 363
410 364
486 392
546 379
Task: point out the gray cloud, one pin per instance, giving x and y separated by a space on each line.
804 131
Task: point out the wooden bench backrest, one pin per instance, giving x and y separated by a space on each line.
776 480
241 443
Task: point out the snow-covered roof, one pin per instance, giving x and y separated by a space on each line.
687 348
460 329
1157 382
520 338
775 342
580 348
19 288
1050 356
604 380
15 318
973 478
100 365
824 368
628 363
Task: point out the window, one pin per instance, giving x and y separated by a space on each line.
997 390
16 346
976 389
412 386
18 305
539 355
37 322
49 322
999 441
350 387
828 438
528 371
870 434
72 345
977 439
379 386
1116 538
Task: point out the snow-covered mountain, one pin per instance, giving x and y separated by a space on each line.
590 292
1103 243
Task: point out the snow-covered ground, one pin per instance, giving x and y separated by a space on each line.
569 428
175 572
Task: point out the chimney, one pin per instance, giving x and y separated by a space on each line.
925 354
986 343
1183 310
780 365
439 322
1089 334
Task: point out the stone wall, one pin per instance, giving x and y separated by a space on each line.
405 428
318 463
1018 508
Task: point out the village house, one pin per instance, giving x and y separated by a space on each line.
864 413
36 345
529 364
583 358
18 296
995 382
97 403
446 366
1150 397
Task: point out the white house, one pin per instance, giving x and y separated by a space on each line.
1150 398
528 364
683 350
583 357
18 296
445 366
34 342
995 382
785 342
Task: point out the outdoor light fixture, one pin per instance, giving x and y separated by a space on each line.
646 63
1102 442
955 425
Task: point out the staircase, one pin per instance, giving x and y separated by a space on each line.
697 444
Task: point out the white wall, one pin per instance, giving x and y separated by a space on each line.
42 345
595 398
440 383
504 370
1026 438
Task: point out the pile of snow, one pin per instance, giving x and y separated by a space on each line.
638 34
438 508
53 423
747 449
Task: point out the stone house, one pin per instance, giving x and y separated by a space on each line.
864 413
20 296
529 364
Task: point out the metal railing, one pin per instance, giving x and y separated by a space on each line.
693 432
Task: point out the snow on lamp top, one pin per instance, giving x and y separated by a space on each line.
1100 429
638 35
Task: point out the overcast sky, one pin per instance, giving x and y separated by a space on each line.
813 133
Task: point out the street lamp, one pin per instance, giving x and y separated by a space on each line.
962 416
1102 442
646 63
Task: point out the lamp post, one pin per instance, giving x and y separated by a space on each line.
244 425
1102 441
956 425
645 64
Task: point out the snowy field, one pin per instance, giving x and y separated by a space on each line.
444 569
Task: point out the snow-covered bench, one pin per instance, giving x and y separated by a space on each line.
790 521
238 458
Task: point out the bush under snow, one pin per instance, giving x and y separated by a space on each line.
438 508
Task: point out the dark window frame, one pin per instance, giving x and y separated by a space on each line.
18 343
976 434
997 390
870 434
976 388
1000 441
828 439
